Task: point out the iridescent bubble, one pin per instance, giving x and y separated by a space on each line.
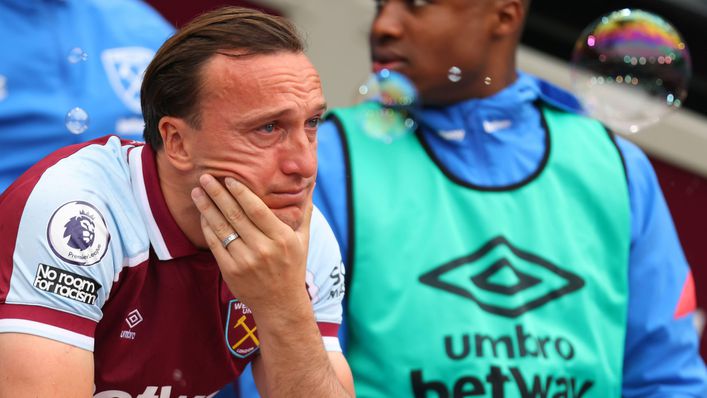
397 95
76 120
395 89
454 74
77 55
630 68
387 124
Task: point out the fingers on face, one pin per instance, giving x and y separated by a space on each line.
223 213
254 208
216 243
303 230
211 214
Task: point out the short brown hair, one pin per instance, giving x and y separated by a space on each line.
172 82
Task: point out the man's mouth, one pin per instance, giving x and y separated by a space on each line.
386 59
288 198
378 66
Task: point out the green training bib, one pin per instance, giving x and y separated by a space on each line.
461 292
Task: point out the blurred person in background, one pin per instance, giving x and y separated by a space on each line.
71 72
509 246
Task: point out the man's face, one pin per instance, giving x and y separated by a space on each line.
424 39
259 118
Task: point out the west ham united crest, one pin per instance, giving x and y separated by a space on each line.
241 335
78 234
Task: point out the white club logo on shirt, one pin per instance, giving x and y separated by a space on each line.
77 233
124 67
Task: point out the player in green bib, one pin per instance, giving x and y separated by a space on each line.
508 246
482 292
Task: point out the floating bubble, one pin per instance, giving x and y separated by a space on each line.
177 375
77 55
387 124
76 120
454 74
390 88
3 89
630 68
397 94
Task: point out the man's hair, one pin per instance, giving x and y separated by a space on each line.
173 81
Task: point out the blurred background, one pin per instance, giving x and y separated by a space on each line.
337 30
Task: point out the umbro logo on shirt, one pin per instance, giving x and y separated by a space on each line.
503 279
133 319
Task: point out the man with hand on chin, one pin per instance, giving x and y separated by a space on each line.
164 269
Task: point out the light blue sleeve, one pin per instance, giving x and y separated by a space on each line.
77 230
661 351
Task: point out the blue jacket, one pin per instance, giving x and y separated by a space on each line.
63 54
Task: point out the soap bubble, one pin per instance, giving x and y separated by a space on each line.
76 120
397 95
390 88
454 74
77 55
630 68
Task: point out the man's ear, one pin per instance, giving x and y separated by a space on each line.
177 142
510 17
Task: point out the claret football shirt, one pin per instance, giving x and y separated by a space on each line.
93 258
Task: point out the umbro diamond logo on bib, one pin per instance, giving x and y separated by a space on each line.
503 279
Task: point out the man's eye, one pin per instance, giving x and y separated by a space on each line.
418 3
314 123
268 128
411 3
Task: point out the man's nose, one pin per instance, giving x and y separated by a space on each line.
388 21
300 156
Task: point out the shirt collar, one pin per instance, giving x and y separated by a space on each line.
167 239
509 108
